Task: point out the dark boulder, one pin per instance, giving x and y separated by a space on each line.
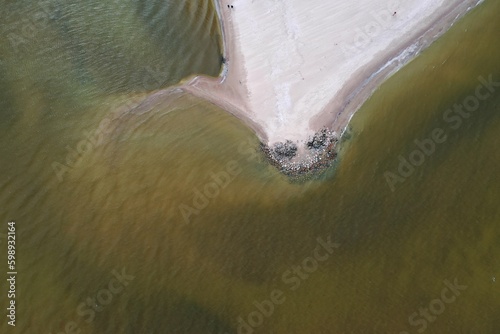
286 150
320 140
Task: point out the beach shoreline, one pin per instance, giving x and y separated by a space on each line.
276 77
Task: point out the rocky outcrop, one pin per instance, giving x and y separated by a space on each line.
314 155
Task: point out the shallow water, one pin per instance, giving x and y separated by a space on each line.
131 198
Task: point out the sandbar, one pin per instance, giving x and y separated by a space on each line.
293 67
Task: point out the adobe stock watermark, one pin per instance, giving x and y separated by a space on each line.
216 182
453 119
86 310
436 307
380 21
74 154
151 79
25 30
292 278
154 78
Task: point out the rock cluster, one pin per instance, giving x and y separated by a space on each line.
284 151
320 140
317 154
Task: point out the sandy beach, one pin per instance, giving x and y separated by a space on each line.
294 67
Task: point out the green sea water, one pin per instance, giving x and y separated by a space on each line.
166 218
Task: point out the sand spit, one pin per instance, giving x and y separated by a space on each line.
294 70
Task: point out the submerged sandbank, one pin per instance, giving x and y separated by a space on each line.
294 68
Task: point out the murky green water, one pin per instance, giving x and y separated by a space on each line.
94 188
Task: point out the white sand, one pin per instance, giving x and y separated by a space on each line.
296 66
